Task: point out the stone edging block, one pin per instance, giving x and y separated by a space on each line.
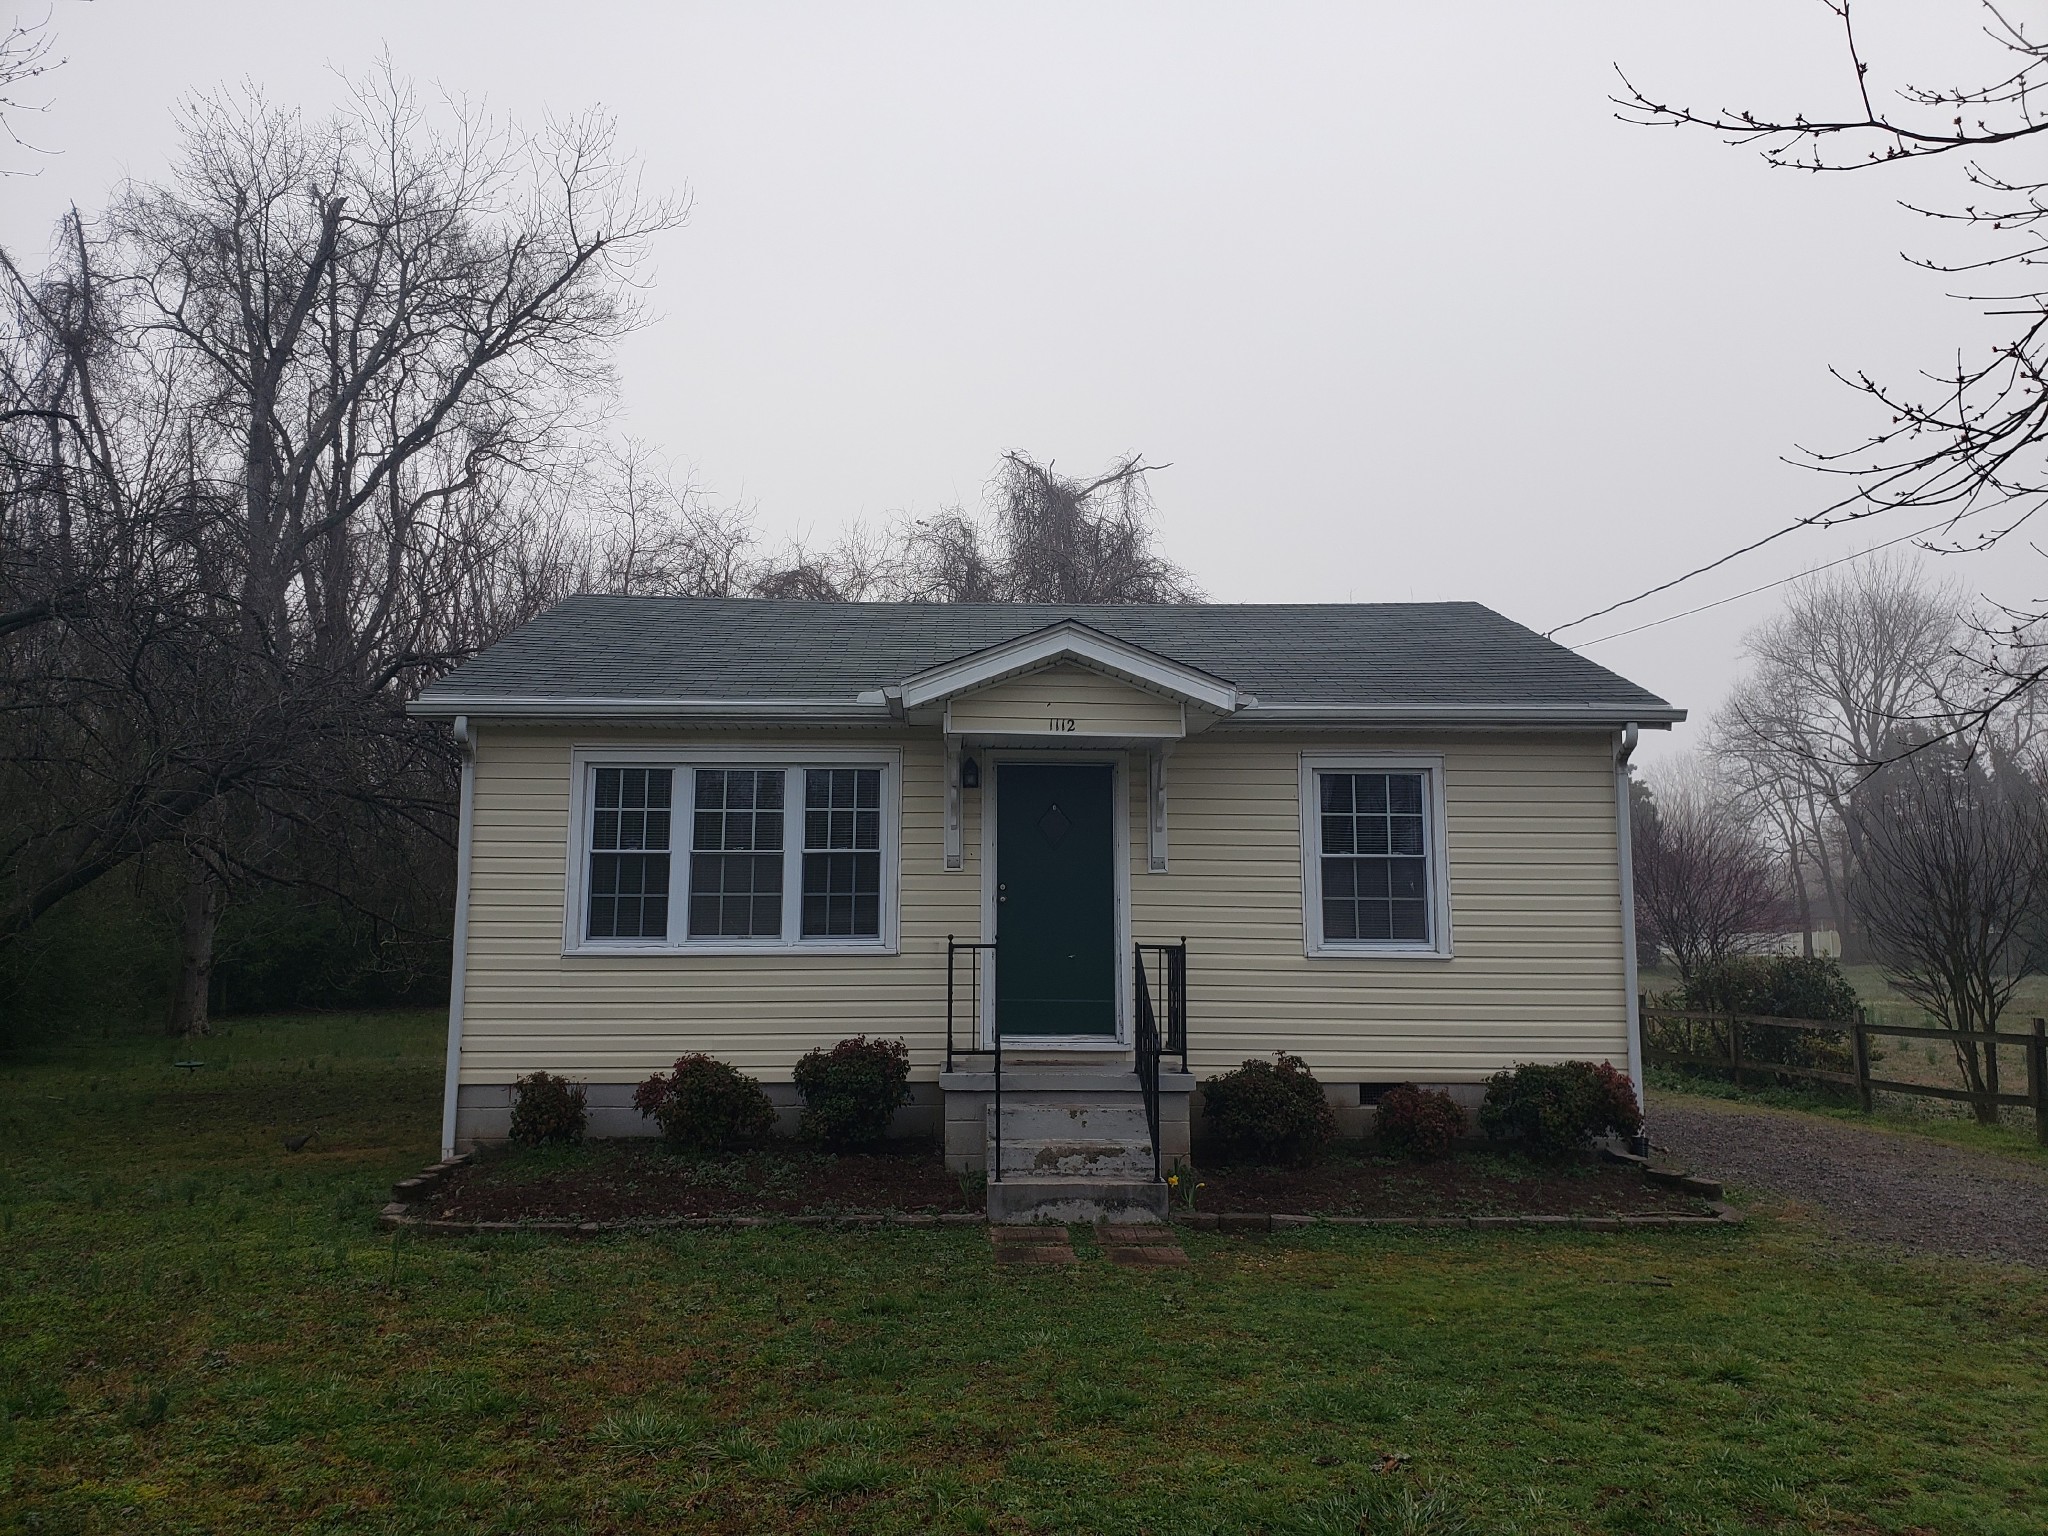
1228 1222
398 1215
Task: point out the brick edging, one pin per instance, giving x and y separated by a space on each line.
399 1216
1275 1221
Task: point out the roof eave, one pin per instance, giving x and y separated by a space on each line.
1659 716
795 711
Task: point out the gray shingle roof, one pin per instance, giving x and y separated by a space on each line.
1429 655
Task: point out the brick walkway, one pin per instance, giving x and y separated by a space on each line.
1135 1247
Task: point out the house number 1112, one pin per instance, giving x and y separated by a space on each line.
1060 723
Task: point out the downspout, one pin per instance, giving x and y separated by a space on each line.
1626 855
465 739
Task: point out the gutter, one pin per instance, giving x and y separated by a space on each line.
1625 853
882 706
465 738
1339 715
531 707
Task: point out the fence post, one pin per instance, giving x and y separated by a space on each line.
1735 1048
1859 1051
2037 1079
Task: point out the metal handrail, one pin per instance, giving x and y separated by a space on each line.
1149 1043
954 948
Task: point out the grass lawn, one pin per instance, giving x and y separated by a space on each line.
202 1332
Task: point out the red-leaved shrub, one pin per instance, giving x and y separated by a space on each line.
546 1109
1557 1107
1418 1122
706 1105
1269 1112
851 1091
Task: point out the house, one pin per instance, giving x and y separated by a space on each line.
1137 844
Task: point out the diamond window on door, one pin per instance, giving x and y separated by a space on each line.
1053 824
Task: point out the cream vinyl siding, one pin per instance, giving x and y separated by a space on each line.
616 1018
1536 971
1098 706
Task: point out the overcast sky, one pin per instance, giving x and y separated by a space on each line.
1409 314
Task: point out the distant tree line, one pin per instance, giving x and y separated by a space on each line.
1854 783
290 433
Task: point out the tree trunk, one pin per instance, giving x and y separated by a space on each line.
1805 905
205 896
1982 1105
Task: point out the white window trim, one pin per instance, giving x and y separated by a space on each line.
1432 769
576 894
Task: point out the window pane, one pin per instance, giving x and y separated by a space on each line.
736 854
735 896
629 860
842 896
1338 834
842 854
1404 834
1340 919
1410 920
1375 857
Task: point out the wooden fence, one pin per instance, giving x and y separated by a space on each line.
1724 1033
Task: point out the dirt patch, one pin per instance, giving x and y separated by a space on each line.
1468 1183
644 1180
1866 1183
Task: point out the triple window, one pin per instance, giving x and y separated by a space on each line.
739 855
1372 856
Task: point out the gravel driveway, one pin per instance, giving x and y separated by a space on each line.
1872 1185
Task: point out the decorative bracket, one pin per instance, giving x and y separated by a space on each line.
1155 803
954 860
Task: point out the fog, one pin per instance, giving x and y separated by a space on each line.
1407 312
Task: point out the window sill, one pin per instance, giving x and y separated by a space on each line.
819 947
1374 952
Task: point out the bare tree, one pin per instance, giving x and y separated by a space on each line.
25 48
286 398
1047 538
1856 652
651 535
1706 885
1952 887
1970 442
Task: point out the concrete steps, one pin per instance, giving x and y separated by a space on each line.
1072 1155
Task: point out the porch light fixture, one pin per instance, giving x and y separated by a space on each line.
970 773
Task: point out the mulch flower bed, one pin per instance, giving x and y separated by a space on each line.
643 1180
1468 1183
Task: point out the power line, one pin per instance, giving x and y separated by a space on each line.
1676 581
1722 602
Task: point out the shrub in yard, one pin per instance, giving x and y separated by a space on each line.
1269 1111
1418 1122
1558 1108
548 1109
706 1105
852 1091
1776 987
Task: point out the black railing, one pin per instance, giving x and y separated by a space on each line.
972 992
1169 963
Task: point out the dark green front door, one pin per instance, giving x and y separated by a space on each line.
1055 900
